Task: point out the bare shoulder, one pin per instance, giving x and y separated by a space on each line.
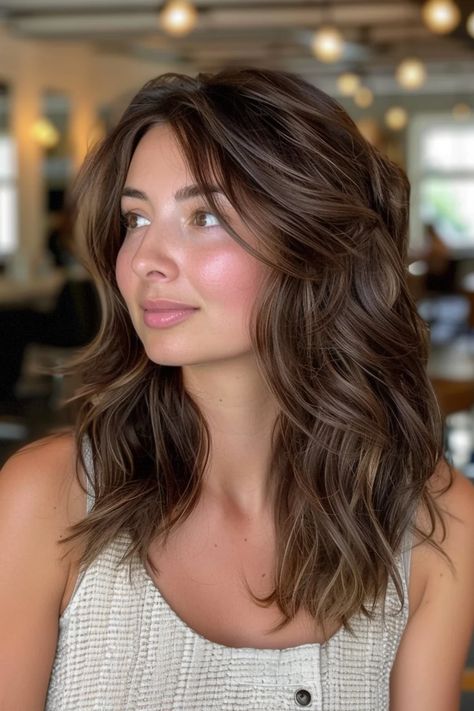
41 469
454 494
460 491
40 497
40 481
430 660
453 531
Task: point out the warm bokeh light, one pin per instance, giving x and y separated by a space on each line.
396 118
45 133
461 110
470 24
441 16
328 44
348 83
178 17
411 73
363 97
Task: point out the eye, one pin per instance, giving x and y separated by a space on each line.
131 221
200 217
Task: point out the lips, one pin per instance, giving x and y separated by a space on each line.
166 305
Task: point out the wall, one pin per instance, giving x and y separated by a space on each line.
90 79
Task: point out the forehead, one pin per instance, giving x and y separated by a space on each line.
157 150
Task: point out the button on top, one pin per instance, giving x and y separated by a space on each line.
303 697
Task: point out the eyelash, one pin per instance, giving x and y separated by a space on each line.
126 215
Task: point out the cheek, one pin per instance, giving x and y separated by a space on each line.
231 278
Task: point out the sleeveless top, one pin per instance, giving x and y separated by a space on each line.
121 647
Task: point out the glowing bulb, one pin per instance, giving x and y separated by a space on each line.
411 73
470 24
178 17
348 83
396 118
363 96
45 133
441 16
328 44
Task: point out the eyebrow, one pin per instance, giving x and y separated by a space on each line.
189 191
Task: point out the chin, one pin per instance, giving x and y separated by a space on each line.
178 357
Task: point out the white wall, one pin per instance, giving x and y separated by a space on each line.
90 79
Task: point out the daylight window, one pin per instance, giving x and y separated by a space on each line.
8 196
441 169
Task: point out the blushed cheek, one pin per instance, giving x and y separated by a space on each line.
231 279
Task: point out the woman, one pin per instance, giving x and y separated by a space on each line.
262 453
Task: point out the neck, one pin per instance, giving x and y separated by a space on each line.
240 413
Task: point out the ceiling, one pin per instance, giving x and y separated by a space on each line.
274 33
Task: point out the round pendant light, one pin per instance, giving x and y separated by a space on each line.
328 44
470 24
178 17
441 16
348 83
45 133
411 73
396 118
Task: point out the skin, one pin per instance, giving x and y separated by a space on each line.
229 534
176 250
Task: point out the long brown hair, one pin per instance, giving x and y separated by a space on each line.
335 331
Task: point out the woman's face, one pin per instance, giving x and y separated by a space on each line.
175 249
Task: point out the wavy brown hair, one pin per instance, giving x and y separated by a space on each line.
335 331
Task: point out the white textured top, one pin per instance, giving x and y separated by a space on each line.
121 647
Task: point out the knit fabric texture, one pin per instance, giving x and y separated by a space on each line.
121 647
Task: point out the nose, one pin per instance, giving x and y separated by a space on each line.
154 256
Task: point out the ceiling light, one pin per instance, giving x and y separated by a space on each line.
348 83
363 97
178 17
411 73
441 16
328 44
45 133
470 24
396 118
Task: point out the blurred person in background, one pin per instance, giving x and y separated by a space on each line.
253 509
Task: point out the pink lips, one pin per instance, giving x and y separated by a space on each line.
163 313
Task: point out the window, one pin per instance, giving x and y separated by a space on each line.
8 196
441 171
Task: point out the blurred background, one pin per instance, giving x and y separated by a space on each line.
403 69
